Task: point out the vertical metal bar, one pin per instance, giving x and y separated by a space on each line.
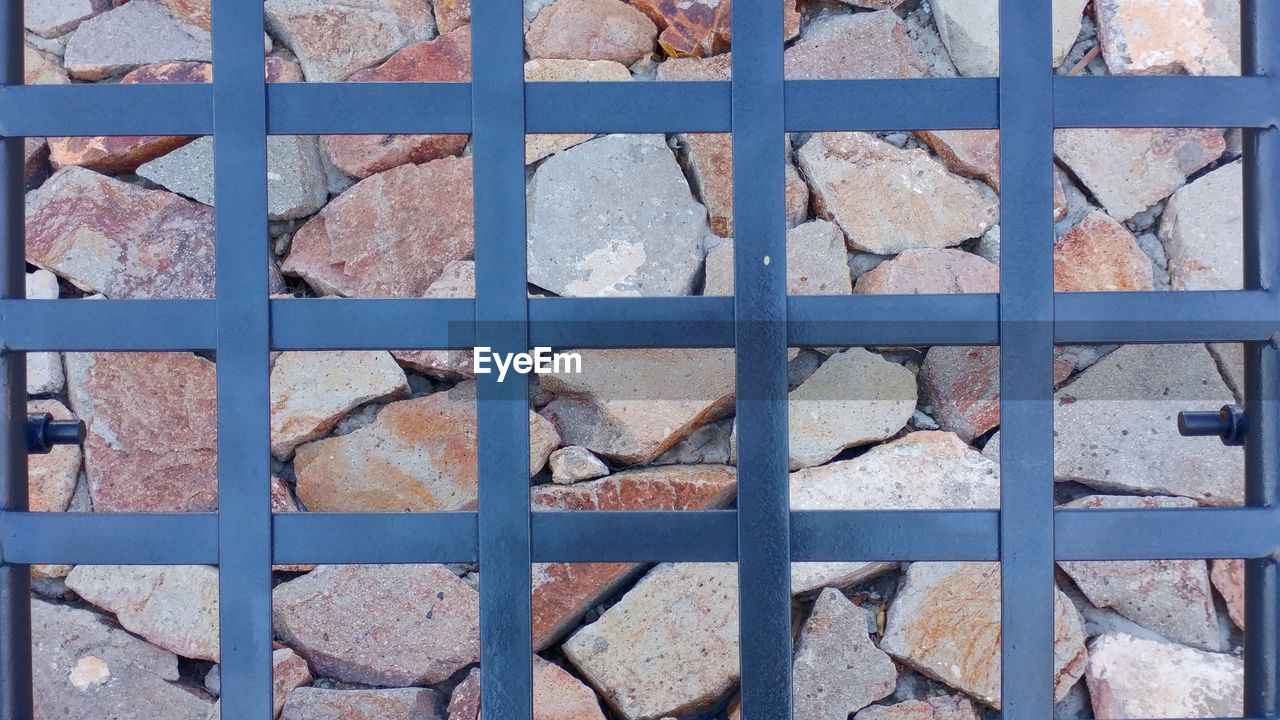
502 322
15 580
1261 56
244 459
1026 360
760 304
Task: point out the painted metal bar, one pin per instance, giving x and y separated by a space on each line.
109 538
368 108
108 109
502 319
1261 57
635 107
837 320
888 535
15 577
1026 355
914 104
244 457
631 322
1130 101
104 325
760 314
372 324
1175 533
1166 317
640 536
356 538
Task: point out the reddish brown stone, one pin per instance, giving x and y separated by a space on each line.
701 28
562 592
591 30
444 59
195 12
114 238
457 280
963 384
389 235
972 153
557 695
451 14
930 272
1100 255
152 430
35 165
858 46
1228 579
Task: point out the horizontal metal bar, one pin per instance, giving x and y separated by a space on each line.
356 538
1167 317
680 536
103 538
112 109
627 107
1166 534
1127 101
921 104
87 325
841 320
631 322
368 108
344 324
887 535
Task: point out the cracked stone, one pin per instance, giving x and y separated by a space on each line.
140 32
816 262
837 669
591 30
370 32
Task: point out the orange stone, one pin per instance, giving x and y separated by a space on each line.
1100 255
701 28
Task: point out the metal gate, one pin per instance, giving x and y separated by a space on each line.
1026 535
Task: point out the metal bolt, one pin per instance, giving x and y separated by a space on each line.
1227 424
43 432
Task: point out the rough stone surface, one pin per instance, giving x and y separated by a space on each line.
288 672
562 592
44 369
419 455
311 391
887 199
451 14
543 145
1100 255
1117 426
391 234
837 669
591 30
311 703
86 668
137 33
51 478
54 18
457 280
963 386
971 31
574 464
1130 678
110 237
173 606
942 271
614 216
393 625
35 165
632 405
41 68
154 456
669 647
941 707
945 623
922 471
1167 37
1172 597
557 695
1130 169
857 46
1228 578
371 30
816 262
444 59
701 28
972 153
1203 232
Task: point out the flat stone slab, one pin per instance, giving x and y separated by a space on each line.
173 606
1162 37
371 31
591 30
825 49
970 29
816 262
1203 231
1130 678
933 271
137 33
1100 255
837 669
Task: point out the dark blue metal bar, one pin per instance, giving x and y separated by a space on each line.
760 312
97 325
108 109
1172 533
15 577
884 535
244 457
502 322
1026 367
631 322
640 536
917 104
640 107
372 324
355 538
1166 317
102 538
368 108
818 321
1129 101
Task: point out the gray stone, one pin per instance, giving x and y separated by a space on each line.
1133 678
708 444
858 46
1117 431
816 262
44 369
614 216
138 33
53 18
310 703
1160 37
41 68
988 246
575 463
1203 232
837 669
971 31
370 31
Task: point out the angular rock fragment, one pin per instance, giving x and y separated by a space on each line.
887 199
591 30
614 216
1169 37
1100 255
311 703
1203 232
701 28
562 592
41 68
632 405
311 391
367 32
83 665
389 625
1172 597
51 478
419 455
154 456
1130 169
444 59
945 623
44 369
543 145
1117 426
173 606
1228 577
35 161
971 31
941 271
941 707
963 385
922 471
972 153
457 280
288 672
837 669
857 46
574 464
669 647
137 33
557 695
816 262
451 14
54 18
1130 678
391 234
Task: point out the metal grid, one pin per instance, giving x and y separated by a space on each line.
243 538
